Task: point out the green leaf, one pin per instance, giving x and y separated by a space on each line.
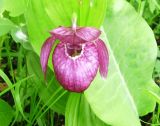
118 99
152 5
1 6
15 7
79 113
137 53
157 67
154 92
6 113
19 35
5 26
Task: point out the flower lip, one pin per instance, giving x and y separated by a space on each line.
74 51
75 73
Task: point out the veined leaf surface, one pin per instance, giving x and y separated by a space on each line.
119 99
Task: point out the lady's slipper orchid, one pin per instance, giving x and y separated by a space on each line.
77 57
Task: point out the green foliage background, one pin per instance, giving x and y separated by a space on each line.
129 90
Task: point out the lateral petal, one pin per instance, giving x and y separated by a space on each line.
45 52
103 57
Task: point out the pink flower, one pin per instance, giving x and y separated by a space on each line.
77 56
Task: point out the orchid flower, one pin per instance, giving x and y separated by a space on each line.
77 57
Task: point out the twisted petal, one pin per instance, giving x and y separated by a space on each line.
103 57
45 52
75 73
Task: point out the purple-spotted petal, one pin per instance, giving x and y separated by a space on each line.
45 52
88 33
103 57
75 73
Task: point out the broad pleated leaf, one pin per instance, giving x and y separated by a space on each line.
118 99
